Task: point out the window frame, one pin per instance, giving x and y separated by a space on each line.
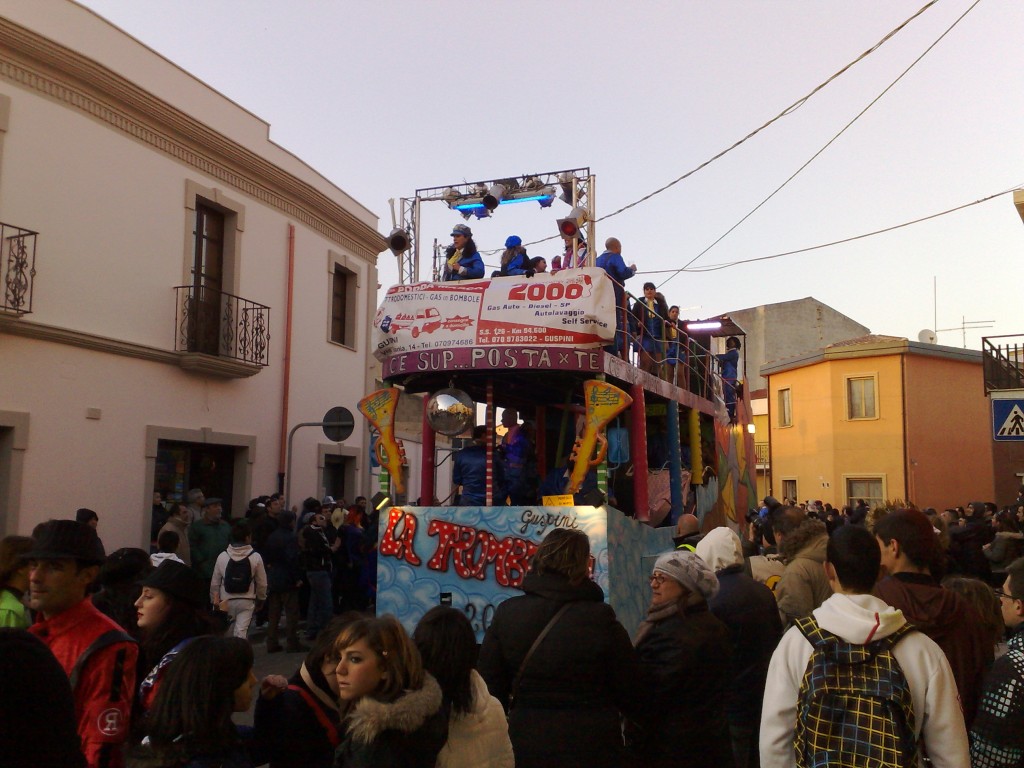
865 476
848 381
340 265
784 423
796 488
196 197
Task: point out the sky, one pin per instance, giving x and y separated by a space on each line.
389 96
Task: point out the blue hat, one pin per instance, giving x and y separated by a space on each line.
512 241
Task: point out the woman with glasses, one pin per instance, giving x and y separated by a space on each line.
997 735
563 694
685 656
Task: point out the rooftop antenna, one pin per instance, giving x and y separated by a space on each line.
968 325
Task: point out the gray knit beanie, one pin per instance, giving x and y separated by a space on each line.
690 571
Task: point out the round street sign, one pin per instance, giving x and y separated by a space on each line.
338 424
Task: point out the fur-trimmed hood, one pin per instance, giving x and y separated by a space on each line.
406 714
809 535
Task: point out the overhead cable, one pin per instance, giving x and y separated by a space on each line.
827 144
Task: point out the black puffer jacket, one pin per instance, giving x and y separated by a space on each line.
748 609
576 683
686 662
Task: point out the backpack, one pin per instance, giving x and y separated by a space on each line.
237 576
854 708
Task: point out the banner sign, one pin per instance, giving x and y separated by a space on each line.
471 558
547 321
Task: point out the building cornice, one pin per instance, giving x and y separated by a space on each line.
37 63
874 349
193 362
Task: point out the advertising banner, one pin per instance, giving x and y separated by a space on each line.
547 321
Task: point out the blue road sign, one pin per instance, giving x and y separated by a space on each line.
1008 420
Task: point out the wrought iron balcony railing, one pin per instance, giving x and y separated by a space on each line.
17 268
216 323
1003 362
761 452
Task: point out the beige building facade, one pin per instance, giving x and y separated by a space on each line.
178 290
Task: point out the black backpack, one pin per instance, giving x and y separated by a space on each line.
238 576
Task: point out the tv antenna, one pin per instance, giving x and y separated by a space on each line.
967 325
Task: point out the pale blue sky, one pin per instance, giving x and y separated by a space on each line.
385 97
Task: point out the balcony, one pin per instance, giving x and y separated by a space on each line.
761 454
220 333
1003 362
17 268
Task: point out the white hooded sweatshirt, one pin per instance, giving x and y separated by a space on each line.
258 585
856 619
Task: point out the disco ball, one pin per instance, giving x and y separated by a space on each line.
451 412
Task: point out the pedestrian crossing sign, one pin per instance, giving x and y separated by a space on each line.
1008 420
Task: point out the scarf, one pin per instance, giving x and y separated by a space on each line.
655 613
453 260
324 696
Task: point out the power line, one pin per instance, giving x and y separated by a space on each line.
827 144
787 111
716 267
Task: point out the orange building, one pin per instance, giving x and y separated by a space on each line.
881 418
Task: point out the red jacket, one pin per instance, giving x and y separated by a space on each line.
103 696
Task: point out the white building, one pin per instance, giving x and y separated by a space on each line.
193 290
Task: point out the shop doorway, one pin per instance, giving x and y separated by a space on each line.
181 466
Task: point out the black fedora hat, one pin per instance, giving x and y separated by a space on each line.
179 580
66 539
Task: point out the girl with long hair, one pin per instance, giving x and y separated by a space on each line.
477 729
170 613
395 713
190 723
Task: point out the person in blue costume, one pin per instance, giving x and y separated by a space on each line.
470 470
611 262
514 260
462 260
729 362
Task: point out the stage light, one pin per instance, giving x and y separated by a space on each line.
494 196
379 500
567 182
751 428
399 241
572 225
711 325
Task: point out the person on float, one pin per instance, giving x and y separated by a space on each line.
462 260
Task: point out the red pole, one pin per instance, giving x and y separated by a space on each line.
489 420
427 463
542 465
639 449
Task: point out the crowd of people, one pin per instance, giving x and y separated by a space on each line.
849 637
